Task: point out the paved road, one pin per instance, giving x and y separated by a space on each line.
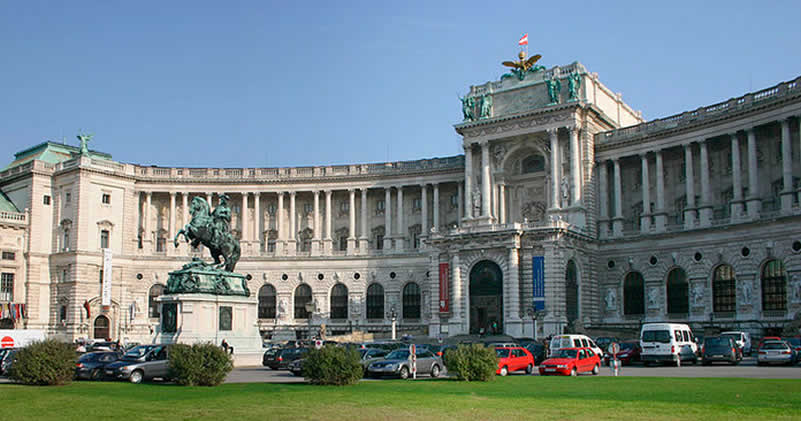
746 369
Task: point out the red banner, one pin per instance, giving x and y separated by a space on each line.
444 292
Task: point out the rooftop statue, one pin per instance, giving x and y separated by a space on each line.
84 138
523 66
554 86
573 85
486 106
468 105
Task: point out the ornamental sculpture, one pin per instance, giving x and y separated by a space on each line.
573 85
523 66
554 87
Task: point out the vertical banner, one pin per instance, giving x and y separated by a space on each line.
106 296
538 279
444 292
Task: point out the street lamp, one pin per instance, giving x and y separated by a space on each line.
310 308
394 317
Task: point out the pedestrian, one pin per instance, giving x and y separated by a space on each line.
224 345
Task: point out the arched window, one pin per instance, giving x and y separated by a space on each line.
339 302
678 300
153 307
303 296
774 286
375 301
411 301
571 292
267 302
533 163
724 290
633 293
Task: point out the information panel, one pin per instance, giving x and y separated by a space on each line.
105 299
444 292
538 278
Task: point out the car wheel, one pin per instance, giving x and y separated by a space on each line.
435 371
573 373
504 371
404 373
596 370
137 377
96 374
530 369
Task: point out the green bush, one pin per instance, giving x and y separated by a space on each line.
472 362
332 365
203 364
45 363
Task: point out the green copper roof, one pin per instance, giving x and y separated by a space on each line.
52 153
6 205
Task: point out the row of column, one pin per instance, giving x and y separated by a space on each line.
289 236
697 214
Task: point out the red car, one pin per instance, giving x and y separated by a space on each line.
571 362
514 359
629 352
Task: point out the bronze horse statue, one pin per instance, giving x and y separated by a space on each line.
211 230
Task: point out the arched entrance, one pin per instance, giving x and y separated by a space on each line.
571 293
486 298
102 328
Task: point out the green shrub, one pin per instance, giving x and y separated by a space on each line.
203 364
472 362
45 363
332 365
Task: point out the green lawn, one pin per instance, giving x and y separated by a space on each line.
510 398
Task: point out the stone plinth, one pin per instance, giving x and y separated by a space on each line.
195 318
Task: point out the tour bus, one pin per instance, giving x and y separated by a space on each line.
667 343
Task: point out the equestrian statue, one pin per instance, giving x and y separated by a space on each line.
212 230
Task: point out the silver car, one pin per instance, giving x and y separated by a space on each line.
774 352
397 363
143 362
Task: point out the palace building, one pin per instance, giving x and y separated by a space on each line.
566 211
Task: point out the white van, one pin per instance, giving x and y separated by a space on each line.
742 339
667 343
572 341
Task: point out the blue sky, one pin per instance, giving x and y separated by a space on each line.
262 84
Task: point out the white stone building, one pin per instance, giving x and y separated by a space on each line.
555 216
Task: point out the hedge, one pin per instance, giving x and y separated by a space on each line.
472 363
44 363
203 364
332 365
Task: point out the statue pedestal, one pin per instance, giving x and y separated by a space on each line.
196 318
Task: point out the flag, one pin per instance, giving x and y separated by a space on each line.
86 307
523 40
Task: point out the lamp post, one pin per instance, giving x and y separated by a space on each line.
310 308
393 315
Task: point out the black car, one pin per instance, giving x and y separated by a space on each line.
286 356
720 348
270 357
537 350
296 367
91 365
6 358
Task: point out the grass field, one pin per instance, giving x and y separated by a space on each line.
510 398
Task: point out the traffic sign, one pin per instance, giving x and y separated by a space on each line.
318 344
614 348
7 342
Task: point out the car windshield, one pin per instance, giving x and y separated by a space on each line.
793 341
626 345
137 352
85 358
734 336
662 336
502 353
774 345
398 355
721 341
568 353
362 353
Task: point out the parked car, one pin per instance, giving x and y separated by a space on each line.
571 362
514 359
667 343
795 343
629 353
537 351
369 355
270 358
102 346
286 356
742 339
603 342
721 348
6 359
92 365
296 367
572 341
775 352
397 363
141 363
768 338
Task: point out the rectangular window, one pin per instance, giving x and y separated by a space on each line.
64 275
417 204
161 245
454 200
46 200
343 243
271 246
7 287
9 255
139 241
379 206
308 208
379 242
106 199
226 318
101 276
104 239
62 314
271 209
344 206
416 240
67 198
65 246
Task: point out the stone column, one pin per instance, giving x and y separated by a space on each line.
645 217
554 136
292 244
689 184
171 229
351 222
514 326
435 206
256 237
208 199
617 220
279 225
787 192
315 246
753 202
424 210
705 210
363 240
328 246
148 208
736 179
502 205
243 215
799 148
468 182
575 166
456 319
400 238
185 208
387 219
485 183
660 217
603 200
460 202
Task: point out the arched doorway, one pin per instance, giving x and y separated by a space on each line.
571 293
486 298
102 328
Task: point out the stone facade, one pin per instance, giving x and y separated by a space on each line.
690 218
